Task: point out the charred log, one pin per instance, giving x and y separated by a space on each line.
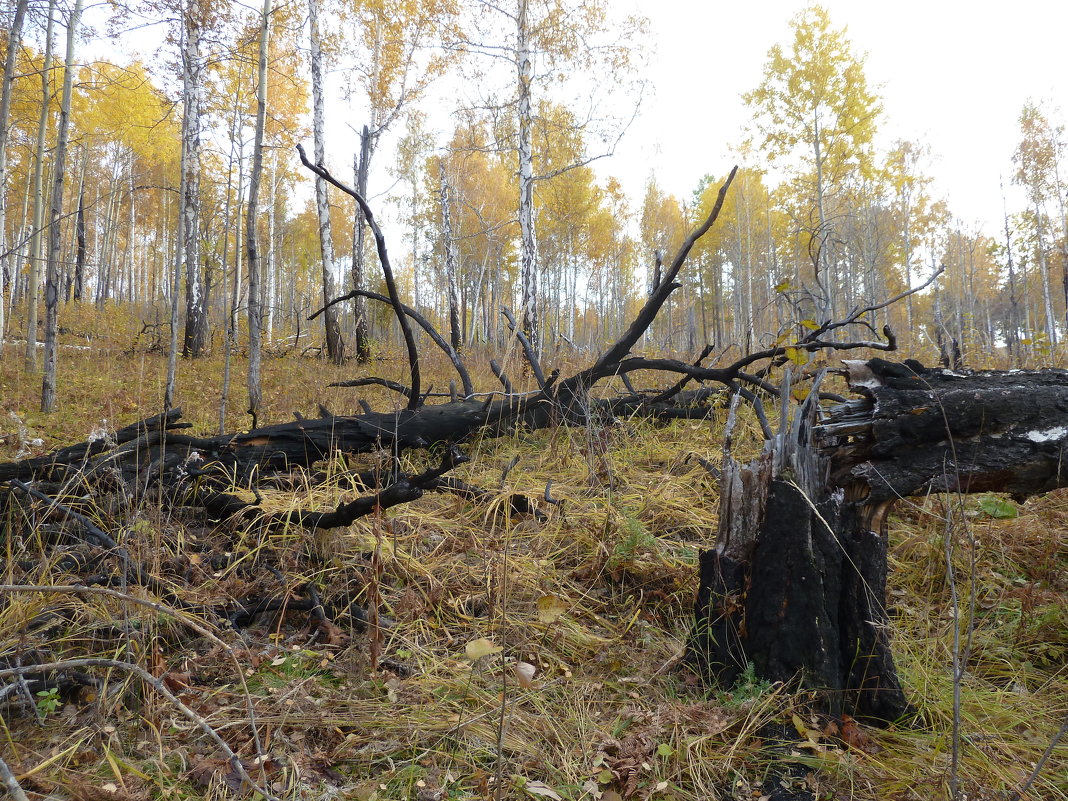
796 584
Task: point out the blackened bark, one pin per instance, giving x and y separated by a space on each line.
796 584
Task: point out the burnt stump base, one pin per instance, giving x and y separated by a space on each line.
805 604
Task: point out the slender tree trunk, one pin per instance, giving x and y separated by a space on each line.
33 290
361 334
335 344
449 246
48 383
234 317
196 320
13 42
226 303
528 259
255 308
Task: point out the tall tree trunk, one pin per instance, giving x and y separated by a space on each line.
1012 325
79 263
528 259
335 344
33 289
449 245
361 330
196 320
48 383
255 306
1043 266
13 42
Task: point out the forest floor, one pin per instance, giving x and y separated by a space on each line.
516 655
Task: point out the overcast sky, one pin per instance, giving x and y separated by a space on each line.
952 74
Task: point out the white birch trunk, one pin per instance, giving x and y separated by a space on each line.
196 323
33 290
255 310
528 245
48 383
14 40
335 344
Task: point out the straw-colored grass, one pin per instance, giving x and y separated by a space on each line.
596 597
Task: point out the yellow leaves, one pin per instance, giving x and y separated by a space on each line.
798 356
550 608
811 325
476 649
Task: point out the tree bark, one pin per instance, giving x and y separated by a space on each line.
255 304
361 336
48 382
449 246
796 583
196 321
335 344
528 249
33 290
13 42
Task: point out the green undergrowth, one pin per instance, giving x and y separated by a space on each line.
517 656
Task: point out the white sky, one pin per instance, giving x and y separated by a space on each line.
952 74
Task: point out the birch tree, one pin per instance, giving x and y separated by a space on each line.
1035 160
541 42
335 345
13 41
255 301
400 54
48 384
815 116
196 321
35 253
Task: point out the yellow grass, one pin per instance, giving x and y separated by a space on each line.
613 565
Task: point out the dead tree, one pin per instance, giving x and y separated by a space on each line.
796 582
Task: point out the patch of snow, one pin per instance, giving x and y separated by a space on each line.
1049 435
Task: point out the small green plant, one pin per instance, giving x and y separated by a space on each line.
634 541
747 687
48 702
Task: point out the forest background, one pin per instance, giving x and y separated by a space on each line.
829 211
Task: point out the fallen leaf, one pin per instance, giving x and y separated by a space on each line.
854 736
524 673
543 790
550 609
476 649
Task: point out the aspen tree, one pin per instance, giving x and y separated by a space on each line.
48 383
14 39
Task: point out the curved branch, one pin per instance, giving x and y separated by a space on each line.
423 323
606 365
387 271
159 687
532 358
375 382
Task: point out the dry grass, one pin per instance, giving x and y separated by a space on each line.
596 597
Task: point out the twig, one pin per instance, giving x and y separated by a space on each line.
528 351
177 614
422 322
1018 794
11 783
102 537
159 687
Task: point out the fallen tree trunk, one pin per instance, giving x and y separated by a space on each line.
796 583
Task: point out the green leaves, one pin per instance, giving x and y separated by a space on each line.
998 508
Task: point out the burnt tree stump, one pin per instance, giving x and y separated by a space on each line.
796 582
